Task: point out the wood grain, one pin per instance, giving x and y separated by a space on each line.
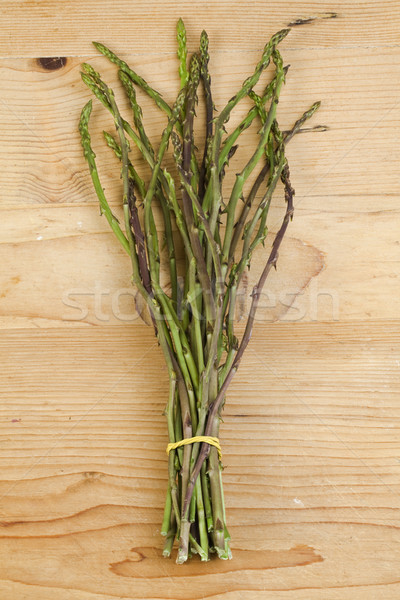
310 448
66 28
341 261
358 90
311 427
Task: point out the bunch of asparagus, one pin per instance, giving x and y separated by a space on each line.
194 321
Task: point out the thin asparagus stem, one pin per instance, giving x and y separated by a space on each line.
134 175
206 80
182 52
240 223
139 238
194 312
247 121
247 170
139 81
106 96
223 118
169 542
257 290
138 121
186 200
90 157
151 92
136 110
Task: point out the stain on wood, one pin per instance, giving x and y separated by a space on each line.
308 459
144 560
52 63
307 20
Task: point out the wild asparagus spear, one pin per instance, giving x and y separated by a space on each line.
182 52
194 322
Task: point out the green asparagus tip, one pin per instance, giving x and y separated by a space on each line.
194 67
272 43
313 109
278 37
180 26
98 45
177 148
179 104
106 52
85 115
93 85
204 38
204 56
277 58
86 79
111 143
84 131
127 83
90 71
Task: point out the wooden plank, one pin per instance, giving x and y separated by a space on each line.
61 266
46 28
311 443
358 88
310 448
341 258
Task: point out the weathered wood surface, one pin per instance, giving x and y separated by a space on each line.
310 446
310 438
48 27
344 238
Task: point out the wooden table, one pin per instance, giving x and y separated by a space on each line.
311 427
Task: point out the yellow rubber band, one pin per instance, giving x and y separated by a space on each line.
213 441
